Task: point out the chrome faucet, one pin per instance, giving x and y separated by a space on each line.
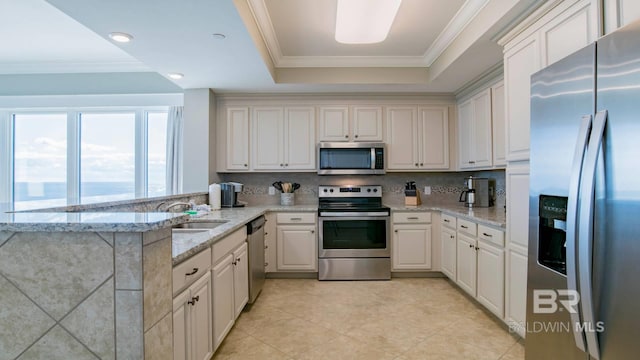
191 205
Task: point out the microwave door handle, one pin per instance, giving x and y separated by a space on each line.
585 230
572 221
373 158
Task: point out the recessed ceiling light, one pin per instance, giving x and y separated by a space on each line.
176 76
120 37
219 36
365 21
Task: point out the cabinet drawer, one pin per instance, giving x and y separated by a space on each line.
411 217
467 227
296 218
491 235
191 270
448 221
228 244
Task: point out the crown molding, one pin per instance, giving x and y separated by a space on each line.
460 20
488 78
536 11
66 67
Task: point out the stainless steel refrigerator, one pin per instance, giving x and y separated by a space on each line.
583 289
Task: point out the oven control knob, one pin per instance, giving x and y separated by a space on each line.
375 190
325 190
330 190
368 190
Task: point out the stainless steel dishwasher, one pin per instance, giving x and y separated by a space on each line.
255 233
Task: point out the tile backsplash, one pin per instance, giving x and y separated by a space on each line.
444 186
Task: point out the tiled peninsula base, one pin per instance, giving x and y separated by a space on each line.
85 295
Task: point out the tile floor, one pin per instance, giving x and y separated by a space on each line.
401 319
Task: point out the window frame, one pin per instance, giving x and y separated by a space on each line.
141 127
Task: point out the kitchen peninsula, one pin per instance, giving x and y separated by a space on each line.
88 285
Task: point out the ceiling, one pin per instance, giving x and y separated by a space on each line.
270 45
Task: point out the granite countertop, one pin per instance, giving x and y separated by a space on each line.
493 216
89 221
187 244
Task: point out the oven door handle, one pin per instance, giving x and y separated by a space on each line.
346 218
355 215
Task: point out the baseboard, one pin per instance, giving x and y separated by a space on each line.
291 275
417 274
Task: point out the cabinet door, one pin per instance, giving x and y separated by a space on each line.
300 138
517 183
202 318
516 291
498 124
519 63
181 326
491 277
297 248
448 248
238 138
466 265
571 31
402 138
223 307
618 13
481 135
367 123
267 124
240 279
434 131
465 133
334 123
411 247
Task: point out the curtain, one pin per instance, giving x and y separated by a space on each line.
174 150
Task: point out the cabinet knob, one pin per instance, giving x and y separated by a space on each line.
266 264
266 246
395 230
421 164
416 164
234 262
488 235
451 236
356 136
193 300
477 248
286 164
313 231
238 260
246 165
346 136
281 165
470 245
471 162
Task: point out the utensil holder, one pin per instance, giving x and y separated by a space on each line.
287 199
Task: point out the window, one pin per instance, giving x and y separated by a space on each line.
107 157
157 153
75 156
40 160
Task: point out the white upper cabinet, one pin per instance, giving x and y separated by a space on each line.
237 138
417 138
474 129
283 138
561 31
350 123
498 124
366 123
618 13
334 123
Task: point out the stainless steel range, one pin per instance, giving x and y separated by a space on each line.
353 242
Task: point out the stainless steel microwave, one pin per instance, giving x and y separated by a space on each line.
350 158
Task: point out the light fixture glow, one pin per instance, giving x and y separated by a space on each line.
120 37
365 21
176 76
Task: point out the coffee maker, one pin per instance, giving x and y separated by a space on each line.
479 192
229 192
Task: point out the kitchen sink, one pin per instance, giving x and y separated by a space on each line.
199 225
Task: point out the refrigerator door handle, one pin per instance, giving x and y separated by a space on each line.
572 223
585 245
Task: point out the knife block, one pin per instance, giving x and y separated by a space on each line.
413 200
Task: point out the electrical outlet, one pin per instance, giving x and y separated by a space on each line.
427 190
272 190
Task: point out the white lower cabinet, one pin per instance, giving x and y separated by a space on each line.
466 266
516 291
480 268
296 242
192 308
411 247
448 248
230 280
